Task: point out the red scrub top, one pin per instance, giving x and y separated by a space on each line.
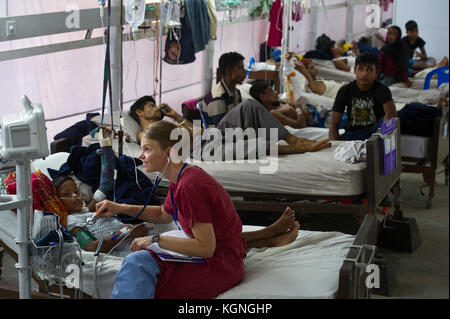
200 198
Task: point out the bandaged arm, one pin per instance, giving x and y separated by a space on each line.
106 186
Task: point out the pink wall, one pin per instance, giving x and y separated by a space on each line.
71 81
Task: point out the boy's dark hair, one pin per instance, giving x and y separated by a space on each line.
229 60
325 43
59 180
259 87
411 25
366 58
139 105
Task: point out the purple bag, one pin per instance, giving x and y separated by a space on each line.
389 136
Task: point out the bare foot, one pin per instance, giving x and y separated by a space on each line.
444 62
283 224
287 237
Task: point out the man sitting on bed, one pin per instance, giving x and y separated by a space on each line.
225 96
366 101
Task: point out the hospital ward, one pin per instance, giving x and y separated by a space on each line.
240 151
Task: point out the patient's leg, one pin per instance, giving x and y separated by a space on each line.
443 62
299 145
282 225
277 241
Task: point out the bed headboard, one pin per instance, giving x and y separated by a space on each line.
378 184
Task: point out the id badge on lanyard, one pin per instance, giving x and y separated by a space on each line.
174 206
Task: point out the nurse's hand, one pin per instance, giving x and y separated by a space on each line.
141 243
107 208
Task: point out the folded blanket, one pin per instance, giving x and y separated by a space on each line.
351 152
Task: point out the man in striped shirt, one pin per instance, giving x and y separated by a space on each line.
225 96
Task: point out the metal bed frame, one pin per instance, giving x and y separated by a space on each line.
438 154
351 278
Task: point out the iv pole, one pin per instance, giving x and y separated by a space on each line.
285 40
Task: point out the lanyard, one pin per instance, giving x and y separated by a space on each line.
174 206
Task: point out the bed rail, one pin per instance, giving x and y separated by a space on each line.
438 154
352 275
379 184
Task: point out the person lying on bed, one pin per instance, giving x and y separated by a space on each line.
366 101
330 89
145 112
88 236
413 41
315 84
203 210
294 115
264 111
393 59
277 234
225 96
335 52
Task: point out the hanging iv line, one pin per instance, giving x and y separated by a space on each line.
134 13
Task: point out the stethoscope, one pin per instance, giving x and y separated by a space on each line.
155 185
91 220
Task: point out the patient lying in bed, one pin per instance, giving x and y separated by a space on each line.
280 233
329 88
106 228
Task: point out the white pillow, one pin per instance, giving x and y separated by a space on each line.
317 100
245 91
130 126
53 161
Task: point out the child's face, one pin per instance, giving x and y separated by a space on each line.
69 195
392 36
412 34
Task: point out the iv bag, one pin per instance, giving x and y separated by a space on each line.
172 14
134 13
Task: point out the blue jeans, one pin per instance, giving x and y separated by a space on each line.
362 134
137 277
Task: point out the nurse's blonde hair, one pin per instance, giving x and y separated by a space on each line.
160 132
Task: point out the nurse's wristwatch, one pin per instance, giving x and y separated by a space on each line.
155 238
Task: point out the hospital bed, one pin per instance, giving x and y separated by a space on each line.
313 177
419 154
319 177
425 154
327 70
315 265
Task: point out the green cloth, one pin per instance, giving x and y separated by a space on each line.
264 6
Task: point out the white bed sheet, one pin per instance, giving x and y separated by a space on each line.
416 146
316 173
306 268
328 71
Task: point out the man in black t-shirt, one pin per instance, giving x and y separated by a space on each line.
366 101
413 41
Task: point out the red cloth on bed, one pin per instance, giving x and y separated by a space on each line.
200 198
45 197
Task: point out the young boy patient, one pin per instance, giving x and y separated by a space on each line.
413 41
89 235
